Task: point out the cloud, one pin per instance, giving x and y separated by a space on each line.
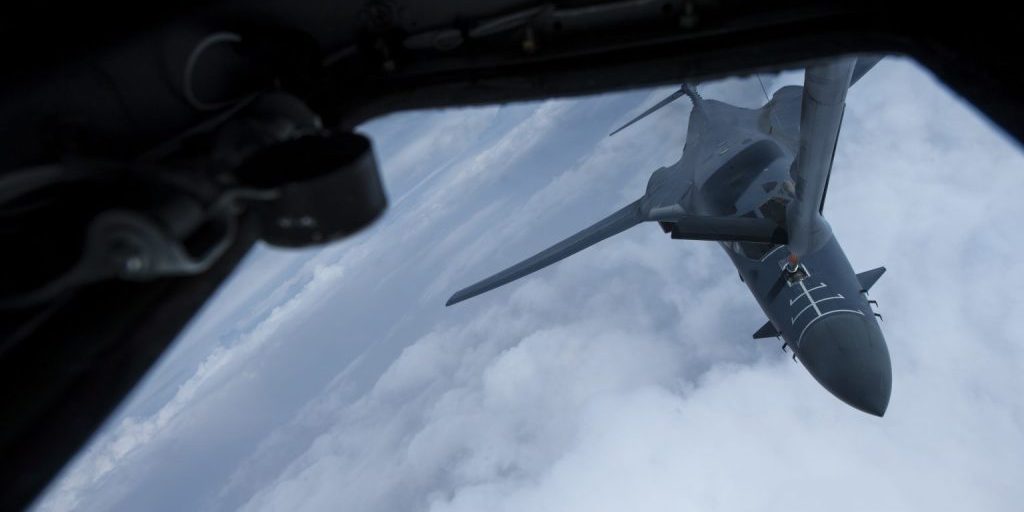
622 378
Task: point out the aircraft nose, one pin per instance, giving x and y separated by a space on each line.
846 353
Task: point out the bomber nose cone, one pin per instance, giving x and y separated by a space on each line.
846 353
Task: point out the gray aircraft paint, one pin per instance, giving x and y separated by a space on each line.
755 180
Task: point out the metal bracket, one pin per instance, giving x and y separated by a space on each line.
134 246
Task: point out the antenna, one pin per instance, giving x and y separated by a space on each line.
765 91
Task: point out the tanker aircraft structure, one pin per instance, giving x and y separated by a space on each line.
755 181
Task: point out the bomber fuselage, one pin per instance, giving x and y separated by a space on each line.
751 180
742 168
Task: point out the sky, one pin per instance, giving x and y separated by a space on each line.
622 378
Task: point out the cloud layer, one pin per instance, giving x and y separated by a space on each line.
622 378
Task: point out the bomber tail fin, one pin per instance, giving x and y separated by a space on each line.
863 65
684 90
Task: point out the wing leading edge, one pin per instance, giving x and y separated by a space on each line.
613 224
691 227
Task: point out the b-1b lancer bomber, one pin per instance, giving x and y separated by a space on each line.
755 181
